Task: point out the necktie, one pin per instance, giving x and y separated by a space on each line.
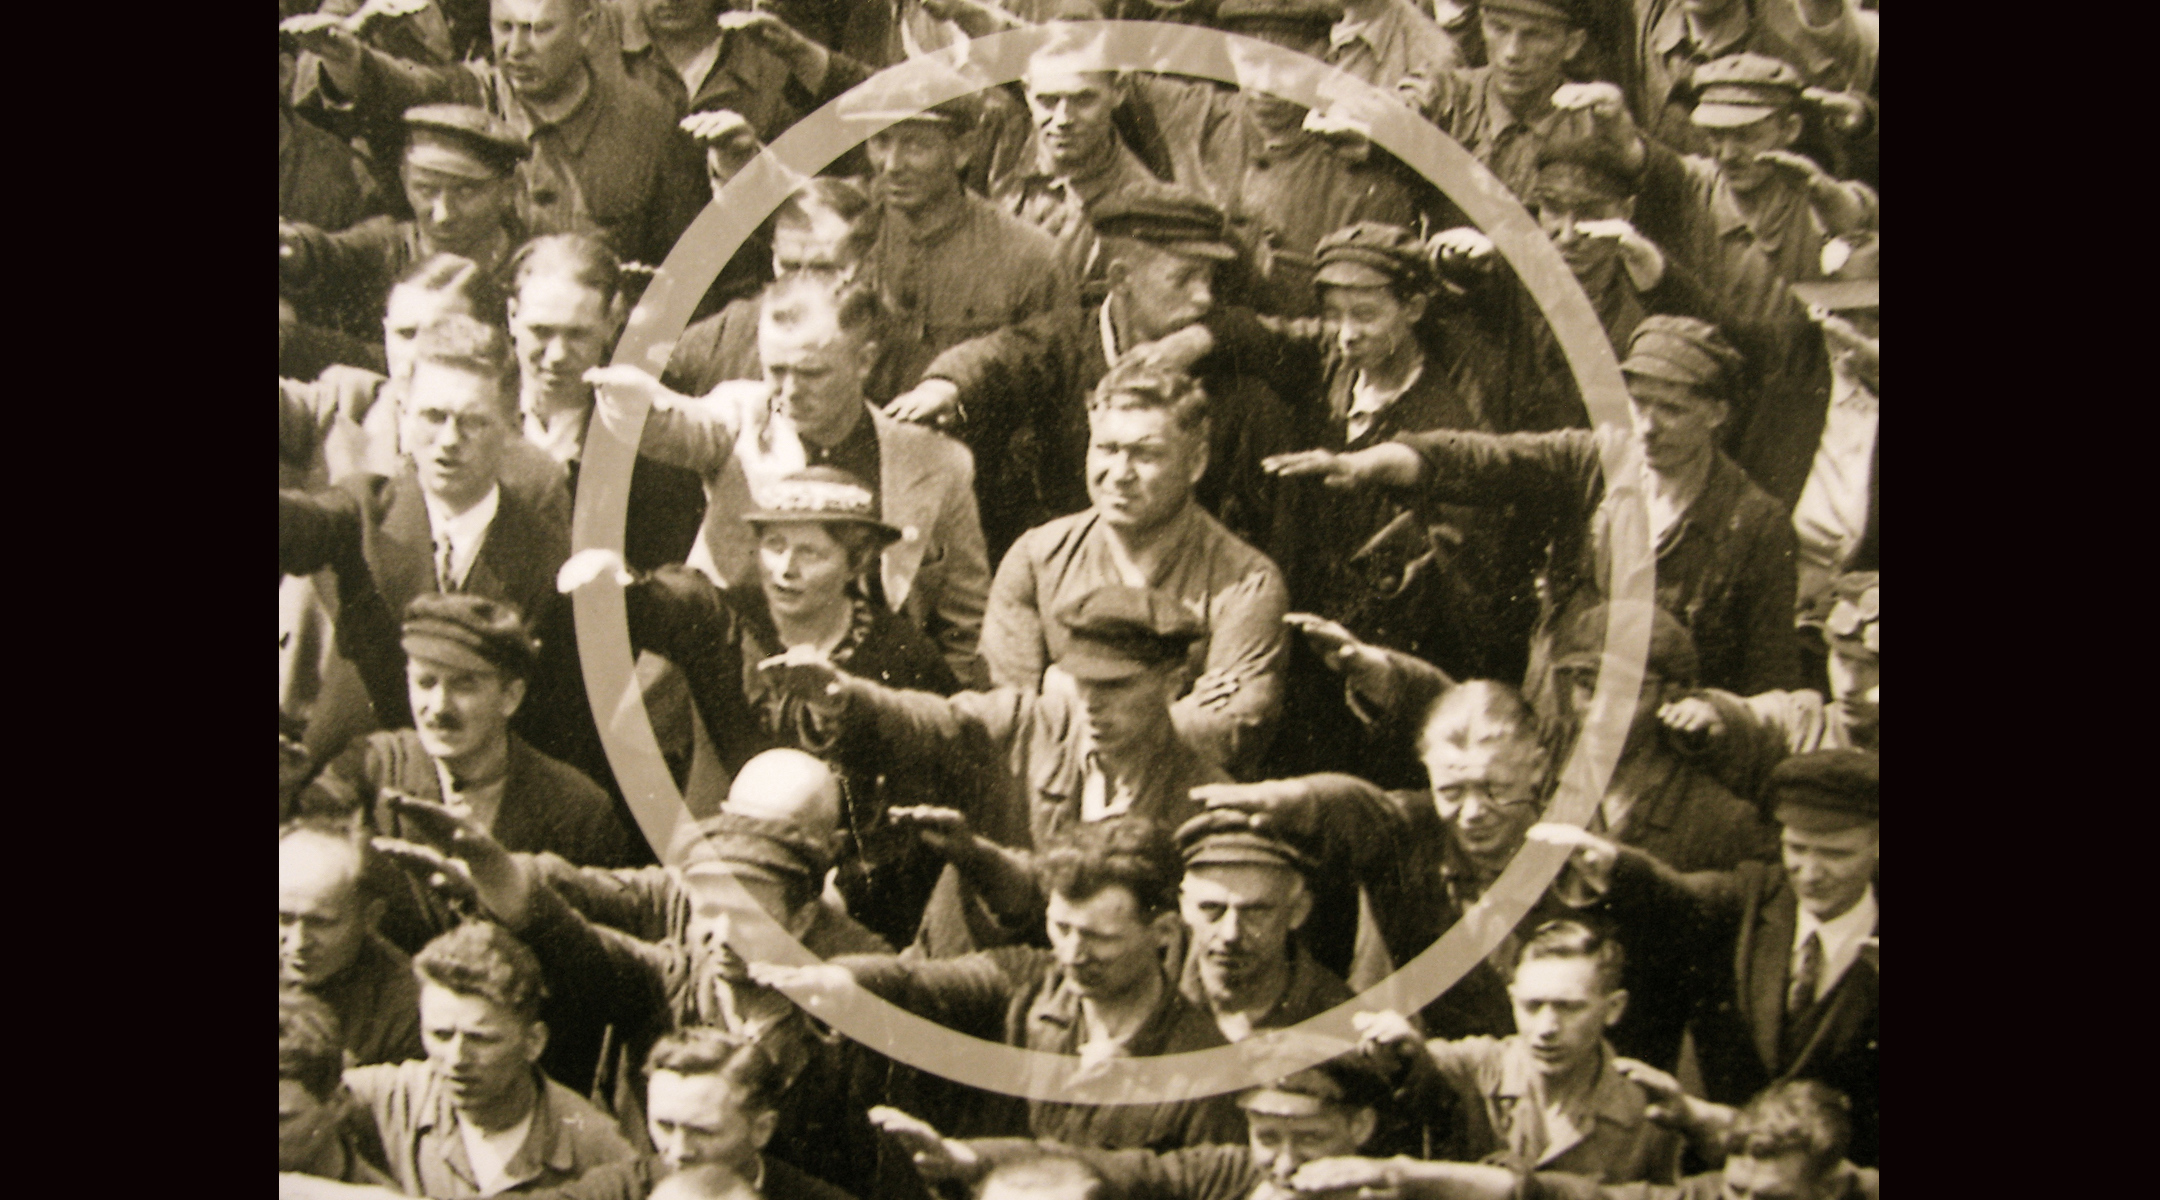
443 580
1801 993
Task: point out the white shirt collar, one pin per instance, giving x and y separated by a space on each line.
563 437
466 531
1367 401
1841 938
1109 334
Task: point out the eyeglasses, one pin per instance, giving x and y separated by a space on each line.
1455 795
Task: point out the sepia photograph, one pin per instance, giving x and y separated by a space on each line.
1079 599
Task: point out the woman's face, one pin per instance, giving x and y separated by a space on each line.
804 569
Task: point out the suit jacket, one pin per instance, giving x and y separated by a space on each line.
373 531
1748 917
546 805
937 574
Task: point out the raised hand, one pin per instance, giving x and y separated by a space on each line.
1347 133
501 883
447 876
1810 172
1594 856
817 978
1342 650
1459 247
1373 1177
328 37
1332 469
728 141
937 1157
1174 352
1215 689
1390 1034
1602 107
808 59
807 673
1692 721
1666 1100
590 566
618 384
1850 111
933 402
943 829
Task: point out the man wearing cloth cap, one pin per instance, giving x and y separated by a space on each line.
1244 898
1658 801
1741 738
1099 992
648 950
1835 46
1802 997
468 660
1329 1111
1503 111
1101 747
1383 41
459 176
1554 1095
951 265
606 156
1283 185
1162 250
1724 548
444 523
1750 203
1404 571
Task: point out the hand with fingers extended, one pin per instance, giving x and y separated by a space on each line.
1460 249
728 141
1391 463
617 385
1390 1037
808 674
933 402
501 883
1849 111
805 57
1176 353
1645 263
589 566
1600 111
1364 665
815 979
1214 690
328 37
356 389
1366 1178
939 1158
447 877
945 830
1594 856
1669 1104
1693 722
1809 172
1345 131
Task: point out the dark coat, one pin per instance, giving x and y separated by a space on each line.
546 805
1726 568
373 531
635 1179
1747 918
1017 995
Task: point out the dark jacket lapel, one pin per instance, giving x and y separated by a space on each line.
1769 962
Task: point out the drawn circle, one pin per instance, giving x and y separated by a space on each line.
660 317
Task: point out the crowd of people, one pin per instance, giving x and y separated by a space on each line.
1117 563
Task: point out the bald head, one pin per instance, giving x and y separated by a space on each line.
323 917
790 786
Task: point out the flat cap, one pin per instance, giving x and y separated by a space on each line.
1580 645
1574 12
780 847
1582 167
818 495
1373 254
1232 837
1741 89
1118 632
462 140
1325 12
1173 217
1826 791
472 632
909 99
1353 1080
1852 266
1682 350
